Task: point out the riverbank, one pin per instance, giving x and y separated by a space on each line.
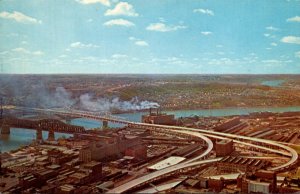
19 137
172 109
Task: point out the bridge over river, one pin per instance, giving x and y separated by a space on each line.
253 143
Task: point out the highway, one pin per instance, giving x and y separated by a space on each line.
184 130
258 143
152 176
209 143
292 153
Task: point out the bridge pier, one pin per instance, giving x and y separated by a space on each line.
51 135
5 130
39 134
105 124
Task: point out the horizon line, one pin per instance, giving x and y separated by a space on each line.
1 74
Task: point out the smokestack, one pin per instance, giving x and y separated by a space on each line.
150 109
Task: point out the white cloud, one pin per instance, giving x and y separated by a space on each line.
204 11
219 46
297 54
206 33
19 17
141 43
294 19
82 45
89 20
161 27
138 42
273 44
291 39
269 35
118 56
122 8
37 53
272 28
24 42
86 2
25 51
119 22
21 50
63 56
132 38
270 61
276 63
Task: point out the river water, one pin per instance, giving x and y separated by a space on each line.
20 137
272 83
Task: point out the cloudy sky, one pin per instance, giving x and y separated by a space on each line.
154 36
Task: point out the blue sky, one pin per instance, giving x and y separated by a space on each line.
155 36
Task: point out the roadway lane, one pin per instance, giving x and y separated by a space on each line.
209 143
293 153
149 177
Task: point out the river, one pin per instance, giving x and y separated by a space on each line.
19 137
272 83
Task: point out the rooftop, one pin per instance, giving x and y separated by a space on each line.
223 141
166 163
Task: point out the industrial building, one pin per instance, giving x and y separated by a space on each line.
157 117
224 147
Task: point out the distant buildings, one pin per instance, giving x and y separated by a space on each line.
157 117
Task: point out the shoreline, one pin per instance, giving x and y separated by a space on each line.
205 109
182 111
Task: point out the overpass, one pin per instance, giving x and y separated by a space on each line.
256 143
172 170
263 144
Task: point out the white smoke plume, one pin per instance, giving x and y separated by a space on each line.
105 105
63 98
20 92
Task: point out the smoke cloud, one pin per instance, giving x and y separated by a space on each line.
41 97
88 103
19 92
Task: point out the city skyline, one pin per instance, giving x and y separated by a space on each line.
165 37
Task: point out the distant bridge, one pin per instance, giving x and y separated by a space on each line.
54 125
75 114
50 125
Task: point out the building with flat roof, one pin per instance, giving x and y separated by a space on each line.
166 163
157 117
224 147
